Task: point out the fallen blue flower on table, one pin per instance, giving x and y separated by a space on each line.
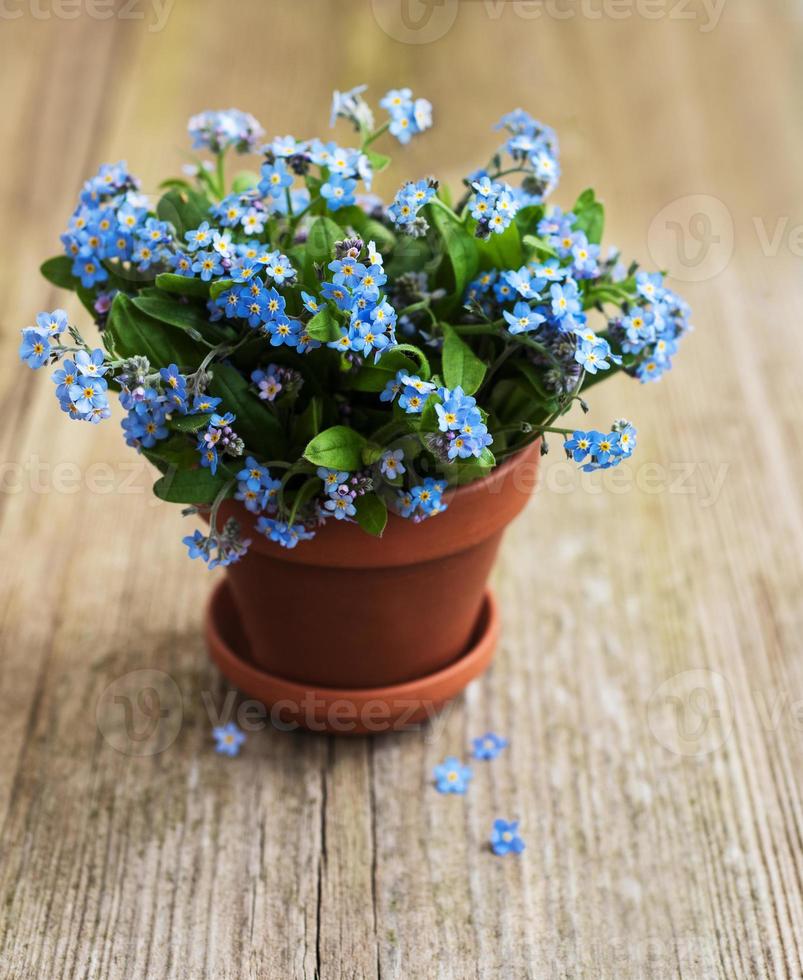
489 746
229 738
505 837
451 776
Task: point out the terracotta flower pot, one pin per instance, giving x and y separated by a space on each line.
362 621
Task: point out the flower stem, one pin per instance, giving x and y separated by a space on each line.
528 341
222 494
507 350
444 207
421 305
294 219
476 329
222 350
220 177
375 135
509 170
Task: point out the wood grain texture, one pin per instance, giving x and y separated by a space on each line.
650 676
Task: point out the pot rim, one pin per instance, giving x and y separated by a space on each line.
466 522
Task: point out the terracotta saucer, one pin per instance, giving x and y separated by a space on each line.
339 711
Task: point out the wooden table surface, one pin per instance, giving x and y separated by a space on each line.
649 678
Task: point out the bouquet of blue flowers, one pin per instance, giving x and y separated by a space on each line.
290 340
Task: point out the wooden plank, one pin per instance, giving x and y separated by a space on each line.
306 857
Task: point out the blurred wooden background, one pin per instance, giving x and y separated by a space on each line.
650 678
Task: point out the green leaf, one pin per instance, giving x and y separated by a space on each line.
423 364
473 469
324 326
219 286
429 417
128 280
337 448
374 377
133 332
538 246
350 217
256 424
502 251
190 486
307 424
172 182
531 375
516 400
185 317
372 513
309 489
609 292
461 248
58 270
412 255
460 472
378 161
155 460
182 285
175 451
461 366
369 229
190 423
527 218
323 234
87 297
590 216
244 181
298 257
374 231
372 452
184 209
